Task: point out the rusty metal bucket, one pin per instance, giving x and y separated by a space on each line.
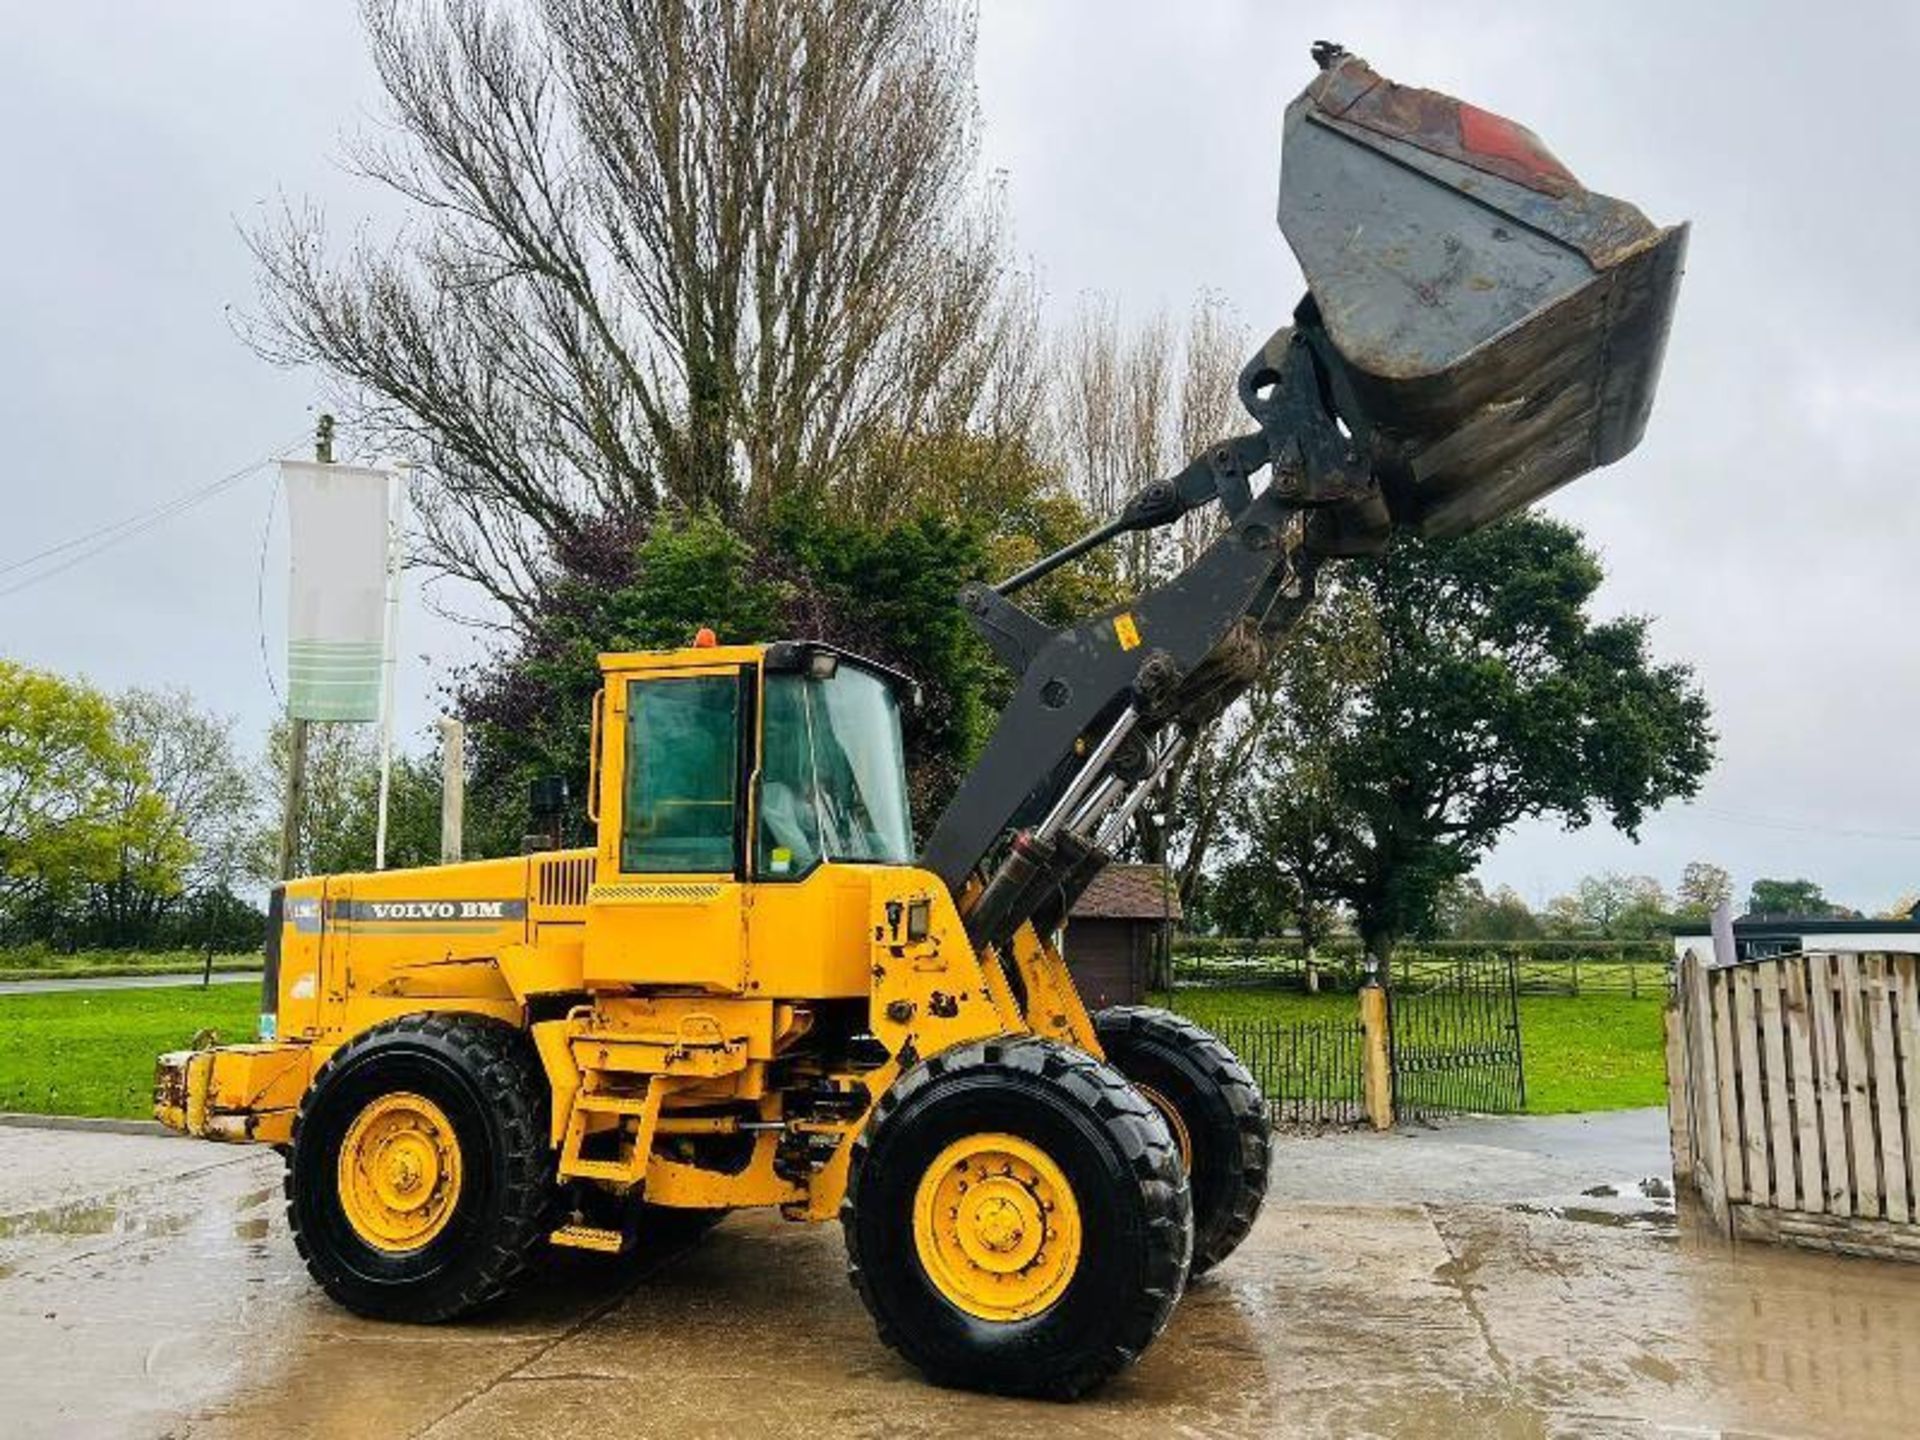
1500 327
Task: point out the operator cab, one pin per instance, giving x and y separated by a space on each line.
750 762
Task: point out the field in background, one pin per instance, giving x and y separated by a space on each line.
1597 1052
91 1052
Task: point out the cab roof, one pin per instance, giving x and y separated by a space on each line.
778 656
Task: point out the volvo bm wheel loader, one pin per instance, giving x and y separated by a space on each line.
750 991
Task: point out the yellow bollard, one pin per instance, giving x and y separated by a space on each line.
1377 1068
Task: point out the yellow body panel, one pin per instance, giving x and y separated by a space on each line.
670 1012
679 931
807 939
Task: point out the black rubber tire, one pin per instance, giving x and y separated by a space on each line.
1120 1160
488 1080
1221 1107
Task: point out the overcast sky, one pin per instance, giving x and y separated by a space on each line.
1766 522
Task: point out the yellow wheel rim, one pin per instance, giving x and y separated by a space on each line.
996 1227
399 1173
1170 1113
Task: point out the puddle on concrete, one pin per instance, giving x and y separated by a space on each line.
1653 1187
1644 1205
85 1218
82 1217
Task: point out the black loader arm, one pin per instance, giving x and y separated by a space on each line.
1478 330
1104 707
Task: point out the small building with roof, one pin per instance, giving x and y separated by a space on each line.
1756 937
1113 930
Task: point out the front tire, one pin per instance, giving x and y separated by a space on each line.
1016 1219
1214 1109
419 1182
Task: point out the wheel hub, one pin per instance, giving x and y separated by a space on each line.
399 1172
996 1227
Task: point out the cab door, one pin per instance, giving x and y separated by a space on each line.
677 750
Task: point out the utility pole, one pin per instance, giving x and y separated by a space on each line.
453 790
295 811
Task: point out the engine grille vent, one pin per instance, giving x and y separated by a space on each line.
566 882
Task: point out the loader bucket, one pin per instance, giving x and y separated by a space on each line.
1501 326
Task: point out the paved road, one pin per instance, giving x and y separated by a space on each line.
59 985
1436 1283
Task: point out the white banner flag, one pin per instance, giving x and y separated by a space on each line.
337 515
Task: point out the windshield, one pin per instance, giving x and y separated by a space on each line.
834 777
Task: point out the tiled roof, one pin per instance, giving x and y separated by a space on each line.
1129 892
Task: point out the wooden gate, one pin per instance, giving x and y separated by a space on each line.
1794 1097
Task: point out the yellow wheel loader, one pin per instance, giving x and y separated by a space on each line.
753 991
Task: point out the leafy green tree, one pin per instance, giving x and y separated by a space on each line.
1703 887
819 570
1466 911
62 768
1789 897
183 815
1612 907
1496 697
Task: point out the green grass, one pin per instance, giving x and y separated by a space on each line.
1592 1053
1211 1005
1600 1052
91 1053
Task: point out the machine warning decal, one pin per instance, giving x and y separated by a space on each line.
1127 631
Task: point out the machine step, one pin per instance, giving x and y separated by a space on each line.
589 1237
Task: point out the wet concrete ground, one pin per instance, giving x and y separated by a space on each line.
1451 1282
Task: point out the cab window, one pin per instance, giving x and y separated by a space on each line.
834 779
682 770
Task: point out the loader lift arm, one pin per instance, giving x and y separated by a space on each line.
1105 707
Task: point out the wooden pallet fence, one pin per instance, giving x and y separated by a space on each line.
1794 1098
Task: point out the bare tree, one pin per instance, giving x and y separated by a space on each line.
696 252
1132 404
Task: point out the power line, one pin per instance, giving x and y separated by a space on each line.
85 546
1767 822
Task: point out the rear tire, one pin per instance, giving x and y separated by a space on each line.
419 1183
1072 1251
1215 1110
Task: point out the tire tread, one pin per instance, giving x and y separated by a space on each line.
502 1067
1218 1236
